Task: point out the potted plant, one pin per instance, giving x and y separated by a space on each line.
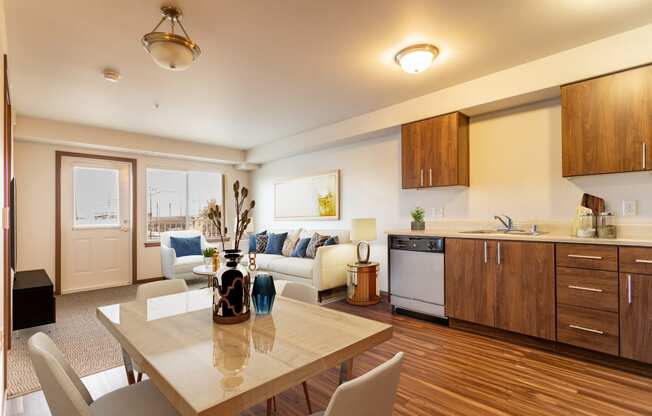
418 224
208 252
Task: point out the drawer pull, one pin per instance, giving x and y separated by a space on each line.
643 261
581 256
581 328
629 289
588 289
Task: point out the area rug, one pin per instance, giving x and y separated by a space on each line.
82 339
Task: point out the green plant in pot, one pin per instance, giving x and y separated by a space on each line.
418 223
209 252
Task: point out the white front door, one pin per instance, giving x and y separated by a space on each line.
95 224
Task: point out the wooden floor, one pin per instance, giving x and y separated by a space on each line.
451 372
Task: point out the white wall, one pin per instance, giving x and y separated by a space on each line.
515 169
35 178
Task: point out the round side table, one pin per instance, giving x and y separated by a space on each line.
362 284
207 271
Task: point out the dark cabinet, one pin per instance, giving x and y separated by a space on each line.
435 152
504 284
607 124
636 317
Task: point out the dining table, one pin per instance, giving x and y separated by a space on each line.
205 368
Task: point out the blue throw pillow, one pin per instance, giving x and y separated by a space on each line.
275 243
332 241
252 241
300 248
186 246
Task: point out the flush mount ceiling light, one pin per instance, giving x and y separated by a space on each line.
111 75
416 58
168 49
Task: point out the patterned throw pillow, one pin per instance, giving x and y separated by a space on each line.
252 241
332 241
290 243
261 242
315 242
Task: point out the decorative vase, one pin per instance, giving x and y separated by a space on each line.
418 225
263 294
231 300
208 261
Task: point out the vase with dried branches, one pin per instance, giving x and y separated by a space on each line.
231 299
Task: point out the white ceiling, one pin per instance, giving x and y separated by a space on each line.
270 69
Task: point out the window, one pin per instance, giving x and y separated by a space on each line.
96 197
177 200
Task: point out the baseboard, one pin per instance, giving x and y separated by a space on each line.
148 280
96 287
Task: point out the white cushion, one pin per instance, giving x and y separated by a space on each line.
293 266
140 399
263 260
185 264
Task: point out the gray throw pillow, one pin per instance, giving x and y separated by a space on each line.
291 242
261 242
315 242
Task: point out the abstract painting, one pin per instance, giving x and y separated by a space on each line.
315 197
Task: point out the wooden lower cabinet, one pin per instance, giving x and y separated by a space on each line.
636 317
470 281
504 284
525 288
588 328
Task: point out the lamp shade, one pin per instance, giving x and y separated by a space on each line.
363 229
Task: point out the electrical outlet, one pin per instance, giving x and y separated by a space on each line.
629 208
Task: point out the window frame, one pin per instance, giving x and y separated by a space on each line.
81 227
155 242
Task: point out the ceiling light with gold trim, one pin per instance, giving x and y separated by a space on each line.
171 50
416 58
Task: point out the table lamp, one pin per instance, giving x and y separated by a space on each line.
363 230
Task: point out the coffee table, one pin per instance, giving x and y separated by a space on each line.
207 271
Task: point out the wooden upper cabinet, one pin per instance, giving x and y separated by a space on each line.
435 152
607 124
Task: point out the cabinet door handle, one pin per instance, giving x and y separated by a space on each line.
430 176
644 155
629 289
588 289
581 256
581 328
498 257
421 177
643 261
485 252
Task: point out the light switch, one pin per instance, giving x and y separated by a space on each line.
629 208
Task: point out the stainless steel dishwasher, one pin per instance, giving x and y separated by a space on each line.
416 275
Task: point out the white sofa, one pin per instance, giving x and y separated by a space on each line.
326 271
174 267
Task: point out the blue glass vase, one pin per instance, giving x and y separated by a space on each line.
263 294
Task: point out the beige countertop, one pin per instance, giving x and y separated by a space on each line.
553 236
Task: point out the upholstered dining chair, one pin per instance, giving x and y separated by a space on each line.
371 394
303 293
66 395
154 290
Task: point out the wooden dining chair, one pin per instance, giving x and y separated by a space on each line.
303 293
371 394
154 290
66 395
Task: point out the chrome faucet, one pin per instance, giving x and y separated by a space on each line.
507 222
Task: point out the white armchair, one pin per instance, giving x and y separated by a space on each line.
174 267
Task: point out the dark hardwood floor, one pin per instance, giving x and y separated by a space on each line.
451 372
